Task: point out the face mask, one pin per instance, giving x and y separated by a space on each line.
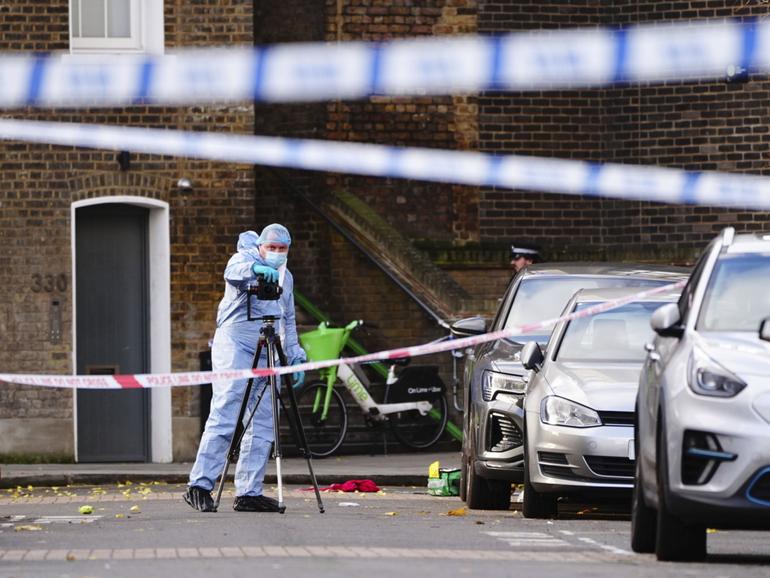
274 259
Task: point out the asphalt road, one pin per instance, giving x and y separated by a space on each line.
146 529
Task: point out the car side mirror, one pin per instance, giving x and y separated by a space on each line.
532 356
468 327
764 329
666 322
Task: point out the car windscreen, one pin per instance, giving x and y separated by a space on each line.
616 335
538 299
737 296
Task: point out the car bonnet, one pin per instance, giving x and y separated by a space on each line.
601 386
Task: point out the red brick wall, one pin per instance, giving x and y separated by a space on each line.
418 209
40 182
699 126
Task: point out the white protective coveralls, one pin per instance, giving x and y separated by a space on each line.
234 346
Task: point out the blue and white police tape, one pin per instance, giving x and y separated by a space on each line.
630 182
200 377
425 66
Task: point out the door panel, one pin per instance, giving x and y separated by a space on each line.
112 330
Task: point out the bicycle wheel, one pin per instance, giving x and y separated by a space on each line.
415 430
324 436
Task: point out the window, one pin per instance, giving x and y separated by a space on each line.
736 297
616 336
116 26
544 298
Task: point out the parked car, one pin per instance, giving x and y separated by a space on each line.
579 403
494 379
703 408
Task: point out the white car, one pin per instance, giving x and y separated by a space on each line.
703 409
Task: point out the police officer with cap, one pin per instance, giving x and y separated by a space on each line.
522 257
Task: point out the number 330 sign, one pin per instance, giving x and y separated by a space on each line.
49 283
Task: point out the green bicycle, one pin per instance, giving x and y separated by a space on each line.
414 405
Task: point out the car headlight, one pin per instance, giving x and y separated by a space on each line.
494 381
560 411
707 377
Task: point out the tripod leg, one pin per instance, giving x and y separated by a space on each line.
296 426
238 436
273 383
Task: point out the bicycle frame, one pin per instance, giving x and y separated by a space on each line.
355 385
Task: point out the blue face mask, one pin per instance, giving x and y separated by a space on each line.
274 259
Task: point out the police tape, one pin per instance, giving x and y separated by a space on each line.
610 180
546 59
149 380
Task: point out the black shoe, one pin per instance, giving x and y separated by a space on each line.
199 499
255 504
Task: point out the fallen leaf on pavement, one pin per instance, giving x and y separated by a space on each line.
134 509
86 509
457 512
28 528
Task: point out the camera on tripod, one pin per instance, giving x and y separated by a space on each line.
265 290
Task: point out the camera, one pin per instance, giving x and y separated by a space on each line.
265 290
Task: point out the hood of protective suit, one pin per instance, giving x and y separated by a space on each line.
248 243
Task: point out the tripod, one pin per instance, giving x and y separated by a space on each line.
272 342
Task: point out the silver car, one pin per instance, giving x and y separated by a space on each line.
579 404
703 418
492 453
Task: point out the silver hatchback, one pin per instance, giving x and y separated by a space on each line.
703 419
579 403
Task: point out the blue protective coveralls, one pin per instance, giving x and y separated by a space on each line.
234 347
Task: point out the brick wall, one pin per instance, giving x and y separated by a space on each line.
41 182
421 210
694 125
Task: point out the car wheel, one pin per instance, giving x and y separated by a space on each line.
485 494
675 541
643 518
537 504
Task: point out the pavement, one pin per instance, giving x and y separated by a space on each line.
408 469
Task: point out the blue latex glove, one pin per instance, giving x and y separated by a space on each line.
298 378
269 273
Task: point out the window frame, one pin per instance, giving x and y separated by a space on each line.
146 32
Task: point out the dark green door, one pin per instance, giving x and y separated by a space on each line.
112 330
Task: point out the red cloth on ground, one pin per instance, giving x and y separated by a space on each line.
352 486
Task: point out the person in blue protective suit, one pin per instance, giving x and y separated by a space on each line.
234 347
